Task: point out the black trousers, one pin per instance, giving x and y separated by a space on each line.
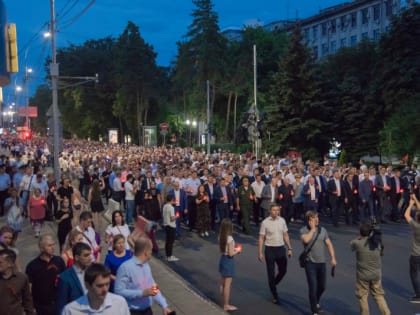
3 196
192 212
170 238
147 311
275 256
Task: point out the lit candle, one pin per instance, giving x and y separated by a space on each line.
281 196
355 191
238 248
177 215
401 190
155 288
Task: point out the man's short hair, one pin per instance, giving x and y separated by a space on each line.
365 229
43 238
9 255
85 215
95 270
78 248
141 245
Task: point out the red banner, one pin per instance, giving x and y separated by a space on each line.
32 111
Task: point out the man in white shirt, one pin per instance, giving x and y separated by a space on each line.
257 186
273 238
97 300
89 235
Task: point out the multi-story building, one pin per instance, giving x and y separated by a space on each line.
347 24
343 25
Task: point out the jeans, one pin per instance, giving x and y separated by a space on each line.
414 273
362 292
273 256
129 211
316 276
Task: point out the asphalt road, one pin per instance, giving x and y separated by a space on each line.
250 293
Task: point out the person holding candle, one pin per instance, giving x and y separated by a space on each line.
37 211
203 211
273 238
226 263
135 281
180 204
245 202
169 224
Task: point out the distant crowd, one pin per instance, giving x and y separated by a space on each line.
139 188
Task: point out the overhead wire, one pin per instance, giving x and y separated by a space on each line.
62 13
77 16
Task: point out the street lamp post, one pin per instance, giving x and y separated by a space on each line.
190 124
28 71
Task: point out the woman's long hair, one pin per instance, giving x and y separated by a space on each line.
96 190
226 229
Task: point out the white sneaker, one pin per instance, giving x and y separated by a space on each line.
202 234
173 258
206 233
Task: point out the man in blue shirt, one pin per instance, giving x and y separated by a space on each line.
5 183
135 281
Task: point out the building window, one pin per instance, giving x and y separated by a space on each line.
306 34
353 40
376 12
343 23
324 49
333 26
376 35
343 42
333 47
365 16
388 7
353 19
315 32
365 35
315 51
324 29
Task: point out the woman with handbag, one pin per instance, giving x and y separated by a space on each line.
315 240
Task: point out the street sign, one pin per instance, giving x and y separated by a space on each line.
164 132
164 126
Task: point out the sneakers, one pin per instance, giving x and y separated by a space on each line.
415 299
206 233
172 258
320 310
202 234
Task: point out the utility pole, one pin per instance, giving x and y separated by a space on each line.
54 72
257 140
208 117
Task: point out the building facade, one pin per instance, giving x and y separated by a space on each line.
347 24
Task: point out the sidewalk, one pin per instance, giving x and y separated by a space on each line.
180 295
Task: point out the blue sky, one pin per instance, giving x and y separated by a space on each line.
162 23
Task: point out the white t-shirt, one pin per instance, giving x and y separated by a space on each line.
273 230
118 229
168 212
129 194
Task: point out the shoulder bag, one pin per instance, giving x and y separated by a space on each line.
303 257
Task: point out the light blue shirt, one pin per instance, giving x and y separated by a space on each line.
113 305
132 278
4 181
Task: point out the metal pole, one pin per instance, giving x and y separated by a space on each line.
257 118
54 71
208 117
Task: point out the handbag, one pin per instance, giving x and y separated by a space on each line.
303 257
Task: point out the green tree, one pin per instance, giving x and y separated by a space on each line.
295 116
137 78
353 104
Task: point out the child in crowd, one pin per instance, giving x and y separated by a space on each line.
226 263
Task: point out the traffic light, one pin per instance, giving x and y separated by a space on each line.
11 49
28 135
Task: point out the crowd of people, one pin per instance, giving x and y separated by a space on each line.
183 189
